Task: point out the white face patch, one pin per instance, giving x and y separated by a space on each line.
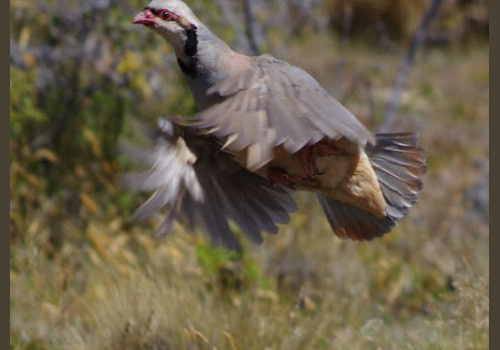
175 27
177 7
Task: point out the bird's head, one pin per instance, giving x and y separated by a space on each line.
172 19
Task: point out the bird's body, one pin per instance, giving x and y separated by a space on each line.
273 120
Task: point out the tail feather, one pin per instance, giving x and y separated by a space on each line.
348 221
399 165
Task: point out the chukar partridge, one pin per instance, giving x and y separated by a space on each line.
264 129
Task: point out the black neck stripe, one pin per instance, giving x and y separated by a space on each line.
190 66
191 45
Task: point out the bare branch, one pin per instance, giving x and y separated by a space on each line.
417 40
347 15
252 31
236 24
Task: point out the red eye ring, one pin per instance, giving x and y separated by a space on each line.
165 15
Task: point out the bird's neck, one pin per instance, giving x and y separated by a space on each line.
200 52
202 59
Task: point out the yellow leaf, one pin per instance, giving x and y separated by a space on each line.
24 37
118 243
33 180
141 83
30 60
130 62
46 154
94 257
128 257
80 172
89 203
173 252
115 224
196 336
100 241
51 310
13 275
94 142
230 340
108 167
267 295
147 243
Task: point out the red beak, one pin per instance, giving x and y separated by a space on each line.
146 17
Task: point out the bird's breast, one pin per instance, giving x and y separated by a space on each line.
338 169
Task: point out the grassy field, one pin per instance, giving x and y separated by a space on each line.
424 286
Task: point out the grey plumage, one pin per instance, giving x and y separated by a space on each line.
277 103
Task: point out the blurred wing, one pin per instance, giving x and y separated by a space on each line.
274 103
200 185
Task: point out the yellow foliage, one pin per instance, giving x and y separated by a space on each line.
143 85
267 295
196 336
108 168
89 203
94 258
127 257
93 140
45 154
118 243
131 62
51 310
29 60
147 243
24 37
80 172
33 180
99 240
230 340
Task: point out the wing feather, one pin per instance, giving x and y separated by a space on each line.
274 103
202 186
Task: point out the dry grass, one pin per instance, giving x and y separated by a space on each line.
425 286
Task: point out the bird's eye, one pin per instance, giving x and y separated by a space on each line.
165 15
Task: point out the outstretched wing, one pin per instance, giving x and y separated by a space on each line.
274 103
200 185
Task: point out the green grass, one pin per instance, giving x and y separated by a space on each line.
424 286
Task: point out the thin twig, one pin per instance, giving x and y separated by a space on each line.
417 40
251 27
235 23
347 15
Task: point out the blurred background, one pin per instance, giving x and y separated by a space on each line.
82 275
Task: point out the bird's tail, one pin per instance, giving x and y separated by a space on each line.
399 165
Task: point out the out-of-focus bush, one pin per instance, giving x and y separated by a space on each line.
77 69
396 20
